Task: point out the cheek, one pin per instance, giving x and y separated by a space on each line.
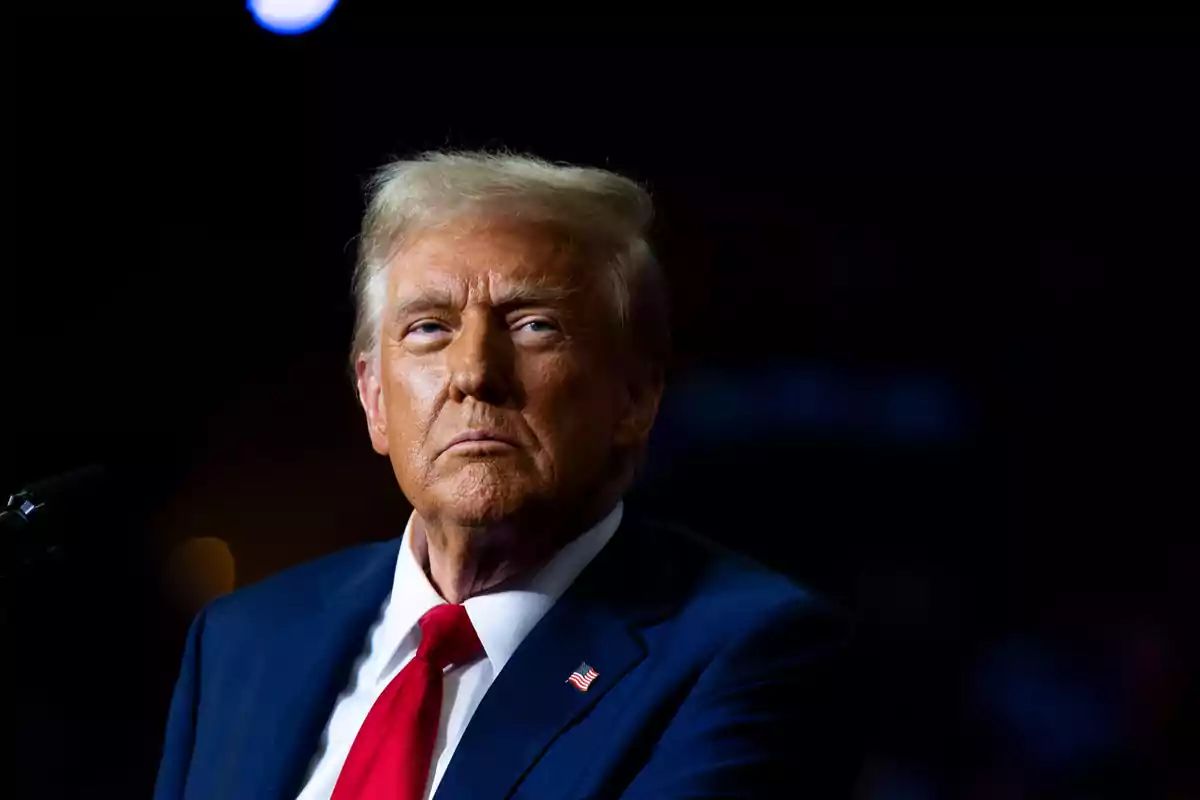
570 403
553 382
413 395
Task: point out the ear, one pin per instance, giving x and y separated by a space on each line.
644 394
370 395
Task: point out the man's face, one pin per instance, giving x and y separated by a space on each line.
501 386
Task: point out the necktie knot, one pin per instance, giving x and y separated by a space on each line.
447 636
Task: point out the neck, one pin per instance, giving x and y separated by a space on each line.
462 561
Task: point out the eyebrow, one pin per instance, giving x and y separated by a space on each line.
510 295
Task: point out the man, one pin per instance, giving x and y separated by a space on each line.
526 637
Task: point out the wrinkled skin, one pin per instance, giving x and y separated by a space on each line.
508 332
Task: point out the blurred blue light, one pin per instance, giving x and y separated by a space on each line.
722 407
1054 715
803 398
290 17
918 409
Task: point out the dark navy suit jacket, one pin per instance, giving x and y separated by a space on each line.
717 678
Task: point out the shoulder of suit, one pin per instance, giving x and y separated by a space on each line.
723 584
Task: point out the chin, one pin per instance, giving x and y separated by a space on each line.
482 494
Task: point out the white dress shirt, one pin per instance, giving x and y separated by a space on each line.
501 619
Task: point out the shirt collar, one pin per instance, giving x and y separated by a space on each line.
502 619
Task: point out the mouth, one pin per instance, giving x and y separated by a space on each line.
482 441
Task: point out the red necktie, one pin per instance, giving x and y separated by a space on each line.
390 757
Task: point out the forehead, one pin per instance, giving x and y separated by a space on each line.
476 258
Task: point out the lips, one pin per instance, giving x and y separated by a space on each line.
482 437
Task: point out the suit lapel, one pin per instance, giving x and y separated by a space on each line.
307 665
531 703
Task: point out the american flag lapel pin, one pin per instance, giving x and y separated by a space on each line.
583 676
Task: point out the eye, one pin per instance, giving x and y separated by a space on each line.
539 326
536 332
427 327
427 333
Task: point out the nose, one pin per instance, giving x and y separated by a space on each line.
481 361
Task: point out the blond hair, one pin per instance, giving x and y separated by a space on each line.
609 213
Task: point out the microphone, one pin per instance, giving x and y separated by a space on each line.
35 521
56 519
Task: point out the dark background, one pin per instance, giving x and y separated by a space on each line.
930 312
